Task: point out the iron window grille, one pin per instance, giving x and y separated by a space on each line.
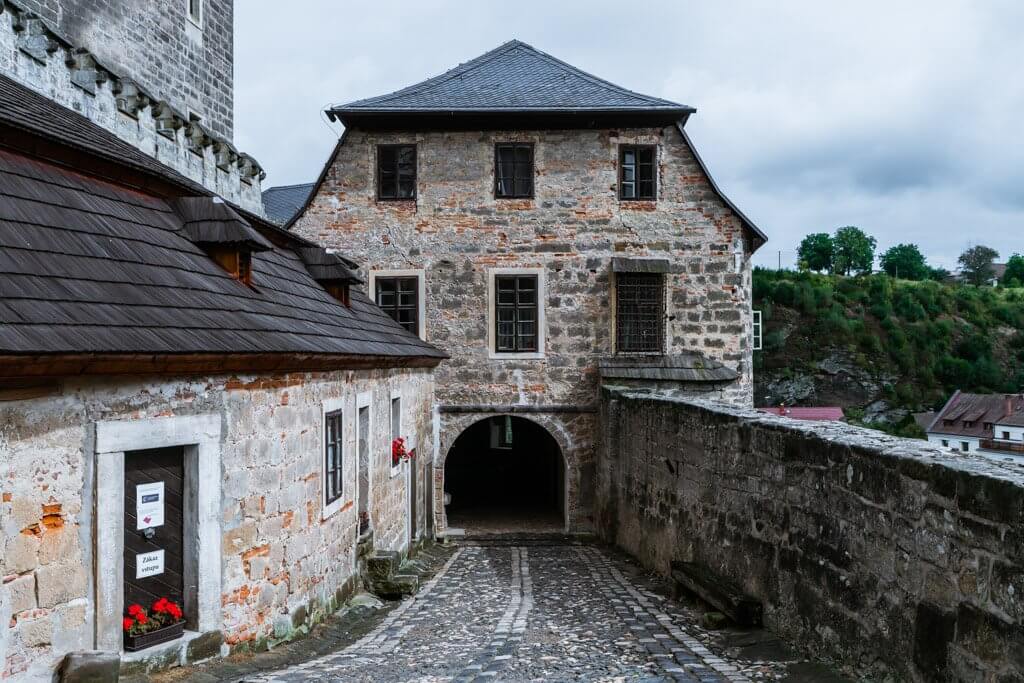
637 174
639 312
399 297
333 441
516 313
396 172
513 170
756 329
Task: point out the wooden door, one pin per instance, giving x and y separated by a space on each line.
160 550
413 473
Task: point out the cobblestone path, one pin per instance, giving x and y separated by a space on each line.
524 613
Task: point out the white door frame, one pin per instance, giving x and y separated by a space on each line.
200 436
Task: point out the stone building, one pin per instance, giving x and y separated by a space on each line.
548 229
194 404
157 74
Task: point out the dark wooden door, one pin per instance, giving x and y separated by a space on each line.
146 468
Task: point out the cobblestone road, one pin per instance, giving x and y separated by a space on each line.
525 613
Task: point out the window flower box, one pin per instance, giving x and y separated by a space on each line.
163 623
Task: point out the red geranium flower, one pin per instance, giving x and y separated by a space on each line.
136 610
127 623
141 618
174 611
161 605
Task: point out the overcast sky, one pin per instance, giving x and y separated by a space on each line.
903 118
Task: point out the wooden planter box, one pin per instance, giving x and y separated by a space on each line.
161 635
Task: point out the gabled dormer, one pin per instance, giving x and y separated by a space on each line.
330 270
226 237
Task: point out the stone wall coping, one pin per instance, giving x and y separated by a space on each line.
841 434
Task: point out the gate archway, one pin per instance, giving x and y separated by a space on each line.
504 474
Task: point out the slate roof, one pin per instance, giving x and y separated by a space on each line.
688 366
282 202
977 410
514 77
88 266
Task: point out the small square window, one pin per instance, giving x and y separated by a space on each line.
637 172
1006 436
333 443
513 170
399 297
639 312
396 172
516 313
965 446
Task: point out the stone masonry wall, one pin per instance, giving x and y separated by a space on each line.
158 46
139 69
898 559
283 566
456 231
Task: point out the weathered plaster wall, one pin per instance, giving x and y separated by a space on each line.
283 566
892 556
456 231
151 46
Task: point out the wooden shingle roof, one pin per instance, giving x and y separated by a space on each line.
89 266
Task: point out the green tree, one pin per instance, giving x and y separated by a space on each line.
853 251
938 274
904 261
976 264
1014 271
816 251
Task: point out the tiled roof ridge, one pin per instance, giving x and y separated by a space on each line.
481 60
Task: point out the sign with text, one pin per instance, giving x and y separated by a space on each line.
149 505
149 564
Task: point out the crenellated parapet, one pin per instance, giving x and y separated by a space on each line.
35 53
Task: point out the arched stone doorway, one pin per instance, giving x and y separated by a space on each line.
505 474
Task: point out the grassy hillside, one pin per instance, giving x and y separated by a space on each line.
883 348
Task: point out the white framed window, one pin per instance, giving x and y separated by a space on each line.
945 442
335 455
965 446
194 11
515 313
401 294
396 428
757 330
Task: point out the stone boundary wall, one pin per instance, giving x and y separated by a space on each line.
897 559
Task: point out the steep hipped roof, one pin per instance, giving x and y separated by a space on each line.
281 203
89 266
514 77
967 414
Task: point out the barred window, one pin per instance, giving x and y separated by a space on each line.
332 457
513 170
396 172
516 313
399 297
639 312
637 172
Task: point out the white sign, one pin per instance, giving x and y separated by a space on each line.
149 564
149 505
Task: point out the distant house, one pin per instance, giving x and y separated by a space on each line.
985 423
819 413
282 202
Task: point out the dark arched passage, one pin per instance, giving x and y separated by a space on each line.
505 473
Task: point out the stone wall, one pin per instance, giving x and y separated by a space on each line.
455 231
283 565
888 555
144 71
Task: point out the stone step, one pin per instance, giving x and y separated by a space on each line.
382 564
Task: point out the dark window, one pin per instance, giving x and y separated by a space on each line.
516 313
195 10
396 172
399 297
1006 436
639 312
332 456
637 172
513 170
